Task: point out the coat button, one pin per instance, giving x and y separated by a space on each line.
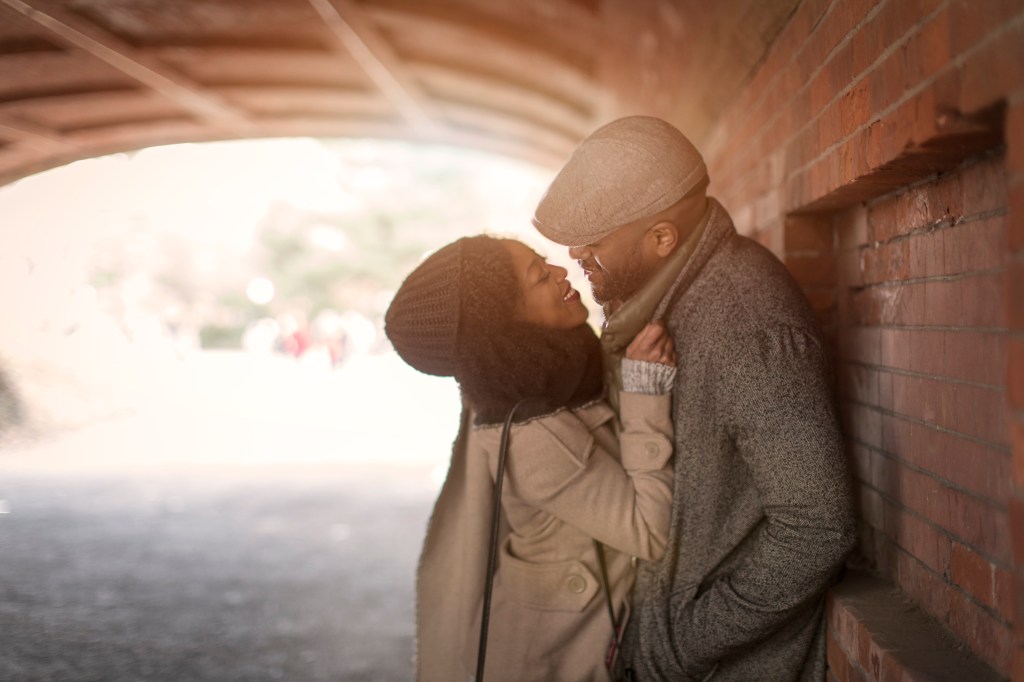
576 584
651 449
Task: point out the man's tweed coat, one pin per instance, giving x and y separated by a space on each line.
761 517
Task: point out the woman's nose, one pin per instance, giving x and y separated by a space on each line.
559 272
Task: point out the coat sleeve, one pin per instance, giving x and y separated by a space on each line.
556 465
781 416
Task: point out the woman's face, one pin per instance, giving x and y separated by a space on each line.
547 297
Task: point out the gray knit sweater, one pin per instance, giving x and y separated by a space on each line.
762 515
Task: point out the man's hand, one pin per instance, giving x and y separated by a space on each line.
652 344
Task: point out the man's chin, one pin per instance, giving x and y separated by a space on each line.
598 295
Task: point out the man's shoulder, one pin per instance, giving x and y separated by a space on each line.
743 285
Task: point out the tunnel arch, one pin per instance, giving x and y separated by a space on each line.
528 79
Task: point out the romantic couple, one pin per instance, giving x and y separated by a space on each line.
675 499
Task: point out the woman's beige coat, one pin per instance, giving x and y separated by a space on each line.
571 476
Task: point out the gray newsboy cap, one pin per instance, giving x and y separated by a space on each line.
628 169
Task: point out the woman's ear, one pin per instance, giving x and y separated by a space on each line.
666 238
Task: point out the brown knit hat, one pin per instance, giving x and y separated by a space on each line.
423 318
626 170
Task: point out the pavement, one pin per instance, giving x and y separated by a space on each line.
226 531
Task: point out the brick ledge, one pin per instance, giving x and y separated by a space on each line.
876 633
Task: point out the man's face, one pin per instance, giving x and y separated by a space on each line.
617 265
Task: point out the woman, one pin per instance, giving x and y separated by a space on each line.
507 326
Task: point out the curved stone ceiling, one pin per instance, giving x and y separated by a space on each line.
527 78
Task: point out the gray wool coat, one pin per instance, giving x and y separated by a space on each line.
762 516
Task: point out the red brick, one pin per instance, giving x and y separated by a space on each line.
895 350
852 227
911 397
985 187
820 91
883 221
926 254
1015 223
1017 449
919 539
987 637
973 20
1018 601
886 83
979 469
933 44
837 660
849 270
1015 138
913 211
994 70
926 351
893 20
1018 664
865 308
930 592
979 357
1015 374
962 516
886 263
865 46
979 412
979 524
974 574
926 119
1014 286
1004 594
975 301
885 390
975 246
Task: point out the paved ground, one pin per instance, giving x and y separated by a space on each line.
253 564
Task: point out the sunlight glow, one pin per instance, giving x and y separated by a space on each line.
225 299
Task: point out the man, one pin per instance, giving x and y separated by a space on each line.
761 518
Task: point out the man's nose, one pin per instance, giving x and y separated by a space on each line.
579 252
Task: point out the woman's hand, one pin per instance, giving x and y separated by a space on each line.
652 344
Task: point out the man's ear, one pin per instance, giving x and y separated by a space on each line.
665 236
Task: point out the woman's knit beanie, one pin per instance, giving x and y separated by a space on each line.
422 321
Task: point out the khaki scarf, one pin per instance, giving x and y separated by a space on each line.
625 323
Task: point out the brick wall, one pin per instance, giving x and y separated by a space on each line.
879 151
922 371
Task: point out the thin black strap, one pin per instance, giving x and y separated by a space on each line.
493 556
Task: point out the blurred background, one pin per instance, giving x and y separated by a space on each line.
129 278
212 464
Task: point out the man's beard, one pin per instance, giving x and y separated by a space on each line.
620 286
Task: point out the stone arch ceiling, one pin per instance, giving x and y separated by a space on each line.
527 78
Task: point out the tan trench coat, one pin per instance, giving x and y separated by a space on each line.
571 476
